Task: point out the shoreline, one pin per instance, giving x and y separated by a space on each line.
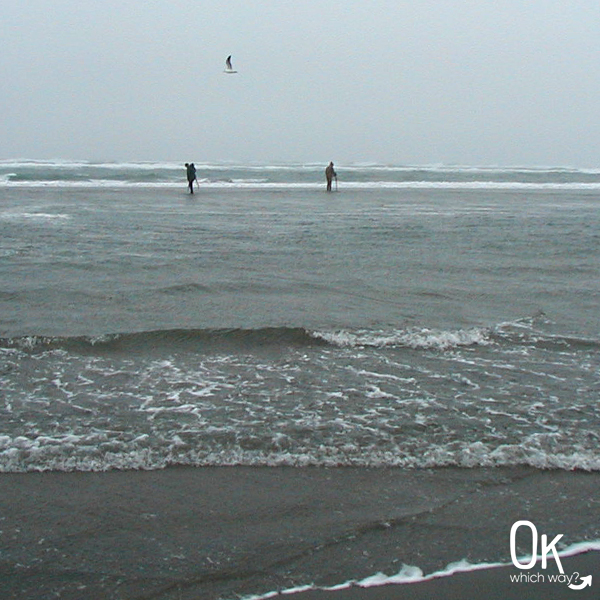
495 582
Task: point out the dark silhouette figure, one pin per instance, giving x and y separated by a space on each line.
330 174
191 176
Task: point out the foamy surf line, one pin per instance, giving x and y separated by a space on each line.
7 182
8 216
414 575
74 453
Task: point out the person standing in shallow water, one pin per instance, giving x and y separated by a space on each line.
330 174
191 176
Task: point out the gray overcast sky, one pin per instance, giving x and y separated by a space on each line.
471 82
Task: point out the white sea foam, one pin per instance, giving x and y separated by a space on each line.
411 574
17 216
6 177
249 184
69 164
417 339
101 451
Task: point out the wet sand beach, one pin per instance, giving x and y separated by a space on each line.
230 532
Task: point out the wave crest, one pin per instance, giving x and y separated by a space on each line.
417 339
200 339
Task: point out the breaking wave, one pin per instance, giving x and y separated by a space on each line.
209 339
285 396
276 337
69 174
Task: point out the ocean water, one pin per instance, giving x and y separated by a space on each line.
419 317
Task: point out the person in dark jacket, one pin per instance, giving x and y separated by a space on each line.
191 176
330 174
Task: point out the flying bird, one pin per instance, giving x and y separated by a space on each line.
228 67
